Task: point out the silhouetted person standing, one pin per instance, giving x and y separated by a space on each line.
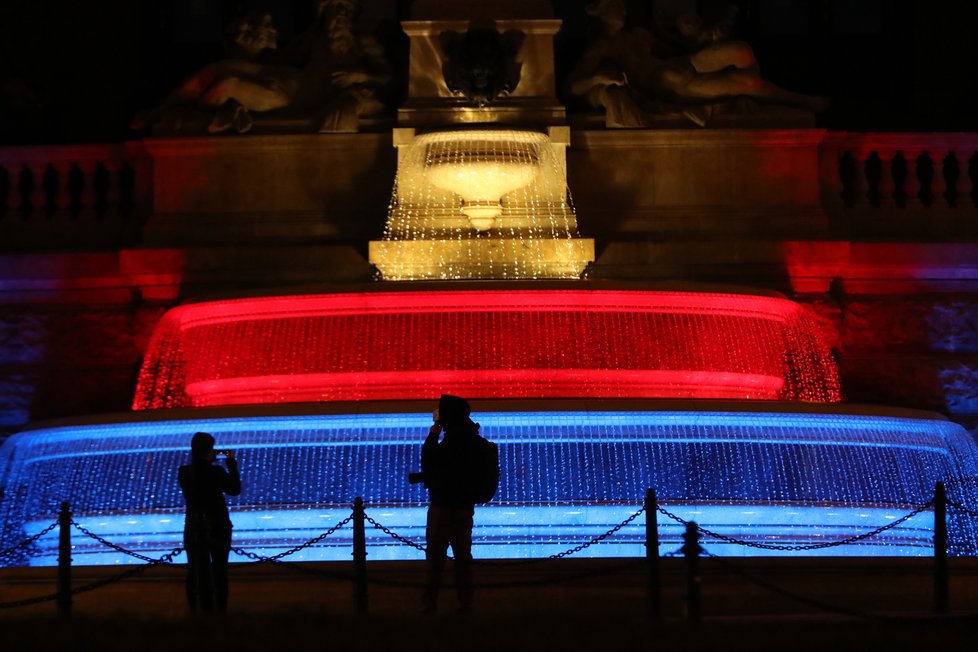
207 530
459 471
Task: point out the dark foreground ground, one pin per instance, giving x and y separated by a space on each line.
747 604
542 631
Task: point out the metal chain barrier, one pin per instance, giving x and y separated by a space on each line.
297 567
97 584
569 577
26 542
962 508
600 537
394 535
518 562
165 559
258 559
813 546
794 596
28 601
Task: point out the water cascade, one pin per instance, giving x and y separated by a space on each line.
481 203
492 343
787 474
588 393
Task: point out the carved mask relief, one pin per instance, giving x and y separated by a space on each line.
480 65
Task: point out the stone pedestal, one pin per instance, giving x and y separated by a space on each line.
431 103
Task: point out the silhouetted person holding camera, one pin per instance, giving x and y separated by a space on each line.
207 530
460 470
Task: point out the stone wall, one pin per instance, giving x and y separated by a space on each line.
67 360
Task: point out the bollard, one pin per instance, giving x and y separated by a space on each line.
64 561
940 549
691 550
652 554
359 556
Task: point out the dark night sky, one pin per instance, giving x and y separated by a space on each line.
77 71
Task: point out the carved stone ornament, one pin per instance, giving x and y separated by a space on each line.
480 65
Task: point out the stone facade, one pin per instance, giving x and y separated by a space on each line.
294 213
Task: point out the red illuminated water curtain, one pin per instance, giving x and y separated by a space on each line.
486 344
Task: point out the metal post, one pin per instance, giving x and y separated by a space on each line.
691 550
359 556
64 561
652 553
940 549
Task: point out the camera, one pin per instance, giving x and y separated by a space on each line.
415 478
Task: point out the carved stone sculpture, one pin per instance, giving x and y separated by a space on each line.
231 88
635 75
329 70
343 73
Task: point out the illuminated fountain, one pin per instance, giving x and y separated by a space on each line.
564 381
726 402
481 203
492 343
482 167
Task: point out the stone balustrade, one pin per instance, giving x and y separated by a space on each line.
886 180
72 195
872 185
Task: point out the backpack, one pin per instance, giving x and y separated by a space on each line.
485 479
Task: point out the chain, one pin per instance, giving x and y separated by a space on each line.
290 565
559 555
311 542
26 542
813 546
394 535
28 601
600 537
794 596
91 586
166 559
962 508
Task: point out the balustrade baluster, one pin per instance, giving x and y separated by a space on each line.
75 188
845 172
27 190
112 194
63 198
860 183
912 184
38 196
50 182
873 170
946 176
969 191
89 194
887 183
927 172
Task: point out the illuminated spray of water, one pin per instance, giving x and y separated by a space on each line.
481 204
486 344
566 476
